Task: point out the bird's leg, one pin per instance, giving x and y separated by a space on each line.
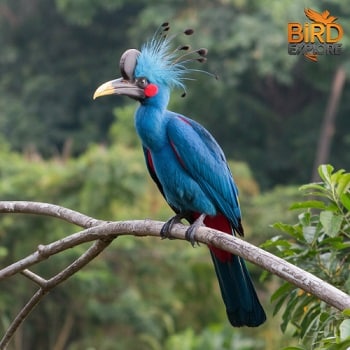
165 231
191 231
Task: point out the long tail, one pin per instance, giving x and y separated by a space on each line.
243 307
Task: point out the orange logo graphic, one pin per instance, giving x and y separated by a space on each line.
320 37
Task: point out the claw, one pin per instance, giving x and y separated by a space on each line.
191 231
165 231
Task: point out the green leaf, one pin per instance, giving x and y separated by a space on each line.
279 304
311 316
284 289
344 329
325 317
330 222
290 229
293 300
302 308
346 312
345 200
325 172
335 177
310 233
308 204
282 294
315 186
327 259
343 184
275 243
345 345
305 218
335 243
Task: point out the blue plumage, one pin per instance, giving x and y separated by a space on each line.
160 64
187 163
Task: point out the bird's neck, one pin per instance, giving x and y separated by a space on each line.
150 122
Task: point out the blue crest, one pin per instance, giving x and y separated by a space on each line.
163 65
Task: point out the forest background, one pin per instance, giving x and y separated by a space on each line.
58 145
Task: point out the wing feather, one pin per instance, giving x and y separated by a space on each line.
205 162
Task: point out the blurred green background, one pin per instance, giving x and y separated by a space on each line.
60 146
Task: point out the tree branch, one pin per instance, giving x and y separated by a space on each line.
47 285
56 211
103 233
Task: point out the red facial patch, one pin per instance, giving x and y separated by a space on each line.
151 90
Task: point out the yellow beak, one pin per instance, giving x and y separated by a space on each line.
119 86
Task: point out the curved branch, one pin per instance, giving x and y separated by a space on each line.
56 211
103 233
257 256
47 285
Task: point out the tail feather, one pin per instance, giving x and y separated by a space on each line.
242 304
243 307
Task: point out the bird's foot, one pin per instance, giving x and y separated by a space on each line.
165 231
191 231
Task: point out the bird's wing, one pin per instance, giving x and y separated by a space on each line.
317 17
151 170
205 162
313 15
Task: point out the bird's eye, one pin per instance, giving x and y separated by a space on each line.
141 82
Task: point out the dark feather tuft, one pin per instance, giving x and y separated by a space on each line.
162 65
188 31
202 52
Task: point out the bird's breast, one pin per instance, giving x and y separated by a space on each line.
151 128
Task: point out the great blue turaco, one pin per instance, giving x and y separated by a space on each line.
186 162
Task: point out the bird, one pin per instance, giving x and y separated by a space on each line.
185 161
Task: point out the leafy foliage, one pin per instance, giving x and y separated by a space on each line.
320 244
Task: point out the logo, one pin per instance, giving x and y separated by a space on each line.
319 37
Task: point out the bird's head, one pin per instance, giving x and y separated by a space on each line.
155 70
